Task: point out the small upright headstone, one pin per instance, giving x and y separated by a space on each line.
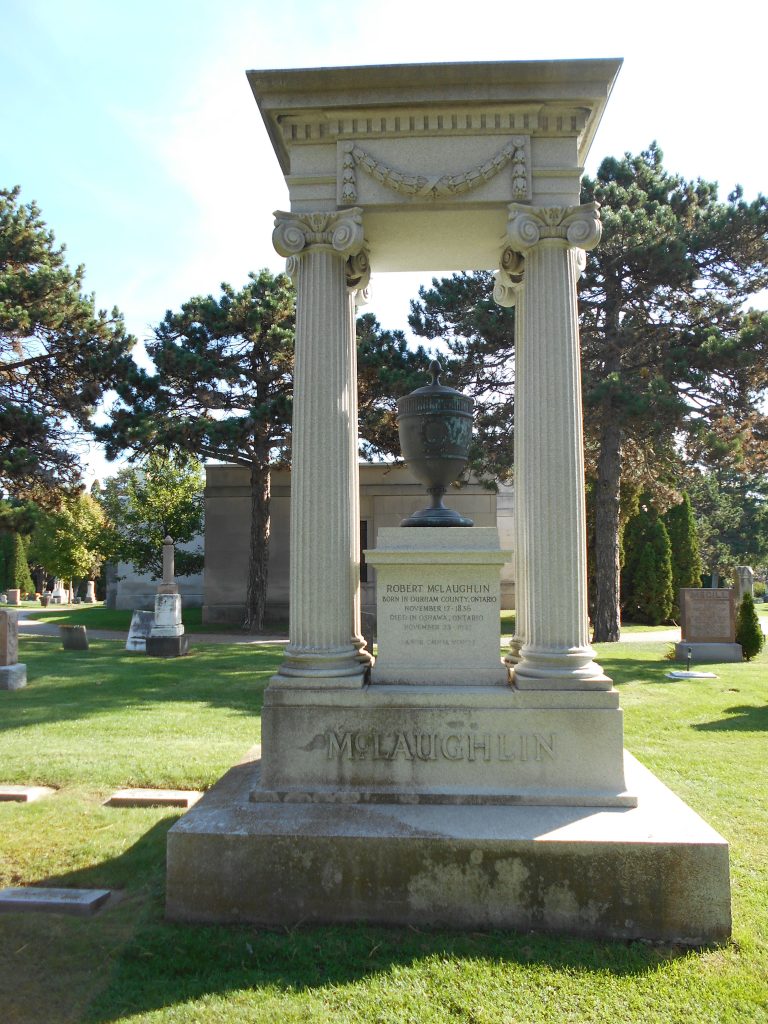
708 625
141 627
12 675
167 638
3 599
14 595
745 582
73 638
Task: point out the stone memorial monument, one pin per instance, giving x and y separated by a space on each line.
745 582
167 638
90 592
13 675
440 785
708 625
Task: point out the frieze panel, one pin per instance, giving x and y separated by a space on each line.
436 185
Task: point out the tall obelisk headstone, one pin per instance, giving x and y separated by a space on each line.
167 638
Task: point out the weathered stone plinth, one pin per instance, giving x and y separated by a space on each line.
656 871
167 646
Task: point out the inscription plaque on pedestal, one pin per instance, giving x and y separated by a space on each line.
437 605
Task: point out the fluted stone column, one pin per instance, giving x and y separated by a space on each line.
509 291
549 453
325 640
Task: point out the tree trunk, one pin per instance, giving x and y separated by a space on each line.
258 554
607 623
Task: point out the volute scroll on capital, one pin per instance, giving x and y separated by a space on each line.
340 231
577 226
358 273
509 278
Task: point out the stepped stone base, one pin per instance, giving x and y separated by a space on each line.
655 871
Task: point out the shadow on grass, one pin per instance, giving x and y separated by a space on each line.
626 670
69 685
742 718
167 964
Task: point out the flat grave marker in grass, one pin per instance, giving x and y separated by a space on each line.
153 798
80 902
24 794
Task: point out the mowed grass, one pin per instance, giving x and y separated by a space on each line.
96 616
91 721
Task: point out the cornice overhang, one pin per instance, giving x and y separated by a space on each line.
337 97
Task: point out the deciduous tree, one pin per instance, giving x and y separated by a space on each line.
162 495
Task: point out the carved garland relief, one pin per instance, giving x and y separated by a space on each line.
437 185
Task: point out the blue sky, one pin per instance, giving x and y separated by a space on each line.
133 127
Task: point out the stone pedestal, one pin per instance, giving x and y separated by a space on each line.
90 592
167 638
656 871
440 722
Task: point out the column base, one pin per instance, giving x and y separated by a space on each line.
559 669
341 666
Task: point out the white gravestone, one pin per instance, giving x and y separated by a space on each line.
140 629
167 637
745 582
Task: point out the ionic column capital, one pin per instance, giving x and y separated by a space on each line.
341 232
509 277
576 226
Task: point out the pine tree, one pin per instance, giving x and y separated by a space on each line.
748 631
58 354
669 356
18 574
646 579
686 560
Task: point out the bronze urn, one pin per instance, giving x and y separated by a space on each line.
435 426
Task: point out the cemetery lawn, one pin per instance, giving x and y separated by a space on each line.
89 722
96 616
